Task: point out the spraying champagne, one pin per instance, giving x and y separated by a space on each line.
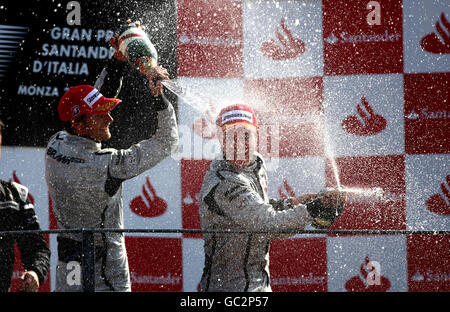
188 96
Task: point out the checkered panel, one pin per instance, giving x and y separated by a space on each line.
331 84
364 94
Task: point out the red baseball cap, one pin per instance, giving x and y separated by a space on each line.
237 115
84 99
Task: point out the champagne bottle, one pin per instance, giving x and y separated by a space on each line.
135 45
324 218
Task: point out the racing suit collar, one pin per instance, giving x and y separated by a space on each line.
77 139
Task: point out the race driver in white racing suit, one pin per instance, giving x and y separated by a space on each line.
85 183
234 196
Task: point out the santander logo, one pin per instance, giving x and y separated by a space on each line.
152 206
438 43
438 203
287 46
289 191
369 279
425 114
366 122
205 126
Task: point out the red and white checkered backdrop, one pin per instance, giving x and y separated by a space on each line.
365 81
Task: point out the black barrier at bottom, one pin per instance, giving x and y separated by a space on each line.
88 243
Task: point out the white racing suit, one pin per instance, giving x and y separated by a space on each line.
237 200
85 186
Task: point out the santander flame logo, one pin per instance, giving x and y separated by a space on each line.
369 280
286 191
438 43
152 206
289 191
205 126
366 123
437 203
288 47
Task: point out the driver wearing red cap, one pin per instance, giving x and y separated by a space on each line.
234 196
85 183
85 103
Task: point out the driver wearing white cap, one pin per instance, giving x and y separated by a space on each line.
234 196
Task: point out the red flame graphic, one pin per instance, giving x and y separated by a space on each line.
156 205
437 204
433 44
288 188
372 123
205 127
360 284
290 46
